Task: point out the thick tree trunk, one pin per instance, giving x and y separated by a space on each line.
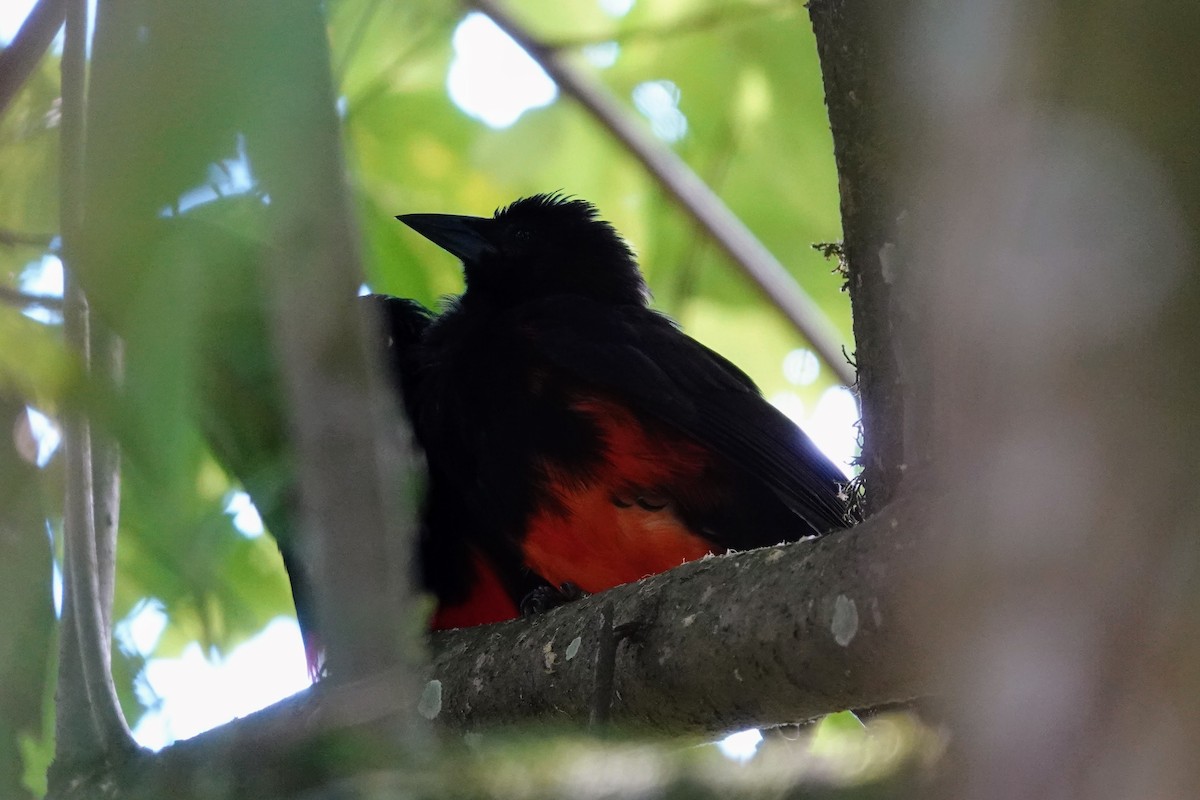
1053 155
854 60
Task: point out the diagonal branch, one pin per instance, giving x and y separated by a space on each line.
697 22
13 297
692 194
21 57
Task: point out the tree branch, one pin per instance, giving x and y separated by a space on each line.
887 763
21 57
90 724
106 351
22 299
740 14
95 730
691 193
850 50
784 634
11 238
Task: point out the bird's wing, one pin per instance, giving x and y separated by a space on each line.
641 357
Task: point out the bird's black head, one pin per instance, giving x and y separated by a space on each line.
537 247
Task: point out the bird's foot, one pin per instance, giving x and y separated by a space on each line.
546 597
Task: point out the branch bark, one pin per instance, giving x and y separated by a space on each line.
771 654
23 300
853 60
550 767
710 647
90 725
21 57
106 355
11 238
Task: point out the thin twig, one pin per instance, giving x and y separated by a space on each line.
85 570
697 245
11 238
22 299
694 23
416 43
76 737
89 636
21 57
357 36
692 194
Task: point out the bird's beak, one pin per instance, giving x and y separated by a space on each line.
465 237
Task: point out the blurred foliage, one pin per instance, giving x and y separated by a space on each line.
175 267
751 91
889 757
26 625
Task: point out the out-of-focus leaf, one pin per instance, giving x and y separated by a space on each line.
33 363
27 621
388 251
215 585
29 154
37 749
193 187
179 222
374 42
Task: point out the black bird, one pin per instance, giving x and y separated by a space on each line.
579 439
462 581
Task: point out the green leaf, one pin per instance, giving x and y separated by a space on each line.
27 624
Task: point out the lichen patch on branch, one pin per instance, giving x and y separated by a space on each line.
430 704
845 620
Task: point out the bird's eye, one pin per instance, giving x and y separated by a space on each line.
522 234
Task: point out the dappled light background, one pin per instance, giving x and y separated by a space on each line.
442 112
